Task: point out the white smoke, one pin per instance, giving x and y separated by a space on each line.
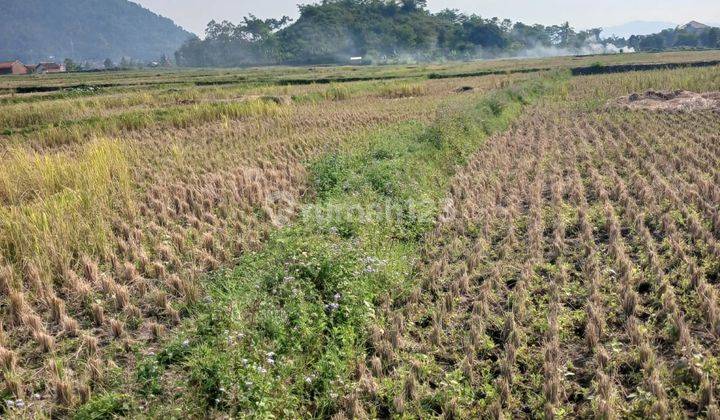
608 48
589 48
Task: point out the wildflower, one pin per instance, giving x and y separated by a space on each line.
336 297
10 403
186 343
20 404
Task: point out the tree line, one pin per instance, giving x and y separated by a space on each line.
677 38
378 30
332 31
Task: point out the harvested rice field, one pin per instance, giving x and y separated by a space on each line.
526 244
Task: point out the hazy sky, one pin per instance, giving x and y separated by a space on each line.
195 14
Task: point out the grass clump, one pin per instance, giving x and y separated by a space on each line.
105 406
52 206
402 90
337 93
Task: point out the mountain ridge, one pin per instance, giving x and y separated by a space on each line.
637 27
85 30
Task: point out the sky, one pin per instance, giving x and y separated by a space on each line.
194 15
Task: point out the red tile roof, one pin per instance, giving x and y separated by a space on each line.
53 66
7 64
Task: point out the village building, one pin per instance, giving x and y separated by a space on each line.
13 67
43 68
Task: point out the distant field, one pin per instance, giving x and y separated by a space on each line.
465 239
252 76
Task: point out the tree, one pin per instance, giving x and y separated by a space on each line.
530 36
70 65
254 29
125 63
413 5
108 63
485 33
686 39
710 38
652 42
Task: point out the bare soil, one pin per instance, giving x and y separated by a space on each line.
678 100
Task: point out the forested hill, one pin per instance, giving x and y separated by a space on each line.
34 30
334 30
691 35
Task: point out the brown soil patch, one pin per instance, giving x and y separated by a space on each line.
678 100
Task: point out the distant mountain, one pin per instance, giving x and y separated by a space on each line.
694 26
34 30
636 28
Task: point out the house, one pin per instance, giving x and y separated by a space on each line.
13 67
48 67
